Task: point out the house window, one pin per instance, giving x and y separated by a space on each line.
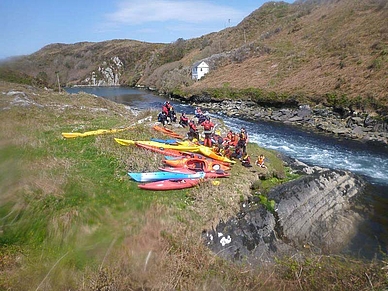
201 69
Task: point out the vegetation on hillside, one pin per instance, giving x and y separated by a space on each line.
71 219
307 51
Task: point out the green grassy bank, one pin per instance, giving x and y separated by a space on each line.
71 219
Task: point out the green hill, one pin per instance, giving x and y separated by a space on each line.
308 50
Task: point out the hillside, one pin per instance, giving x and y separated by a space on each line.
308 50
336 46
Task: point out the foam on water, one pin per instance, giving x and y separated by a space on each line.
317 150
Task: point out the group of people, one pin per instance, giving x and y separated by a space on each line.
167 115
233 146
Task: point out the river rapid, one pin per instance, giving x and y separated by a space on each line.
368 160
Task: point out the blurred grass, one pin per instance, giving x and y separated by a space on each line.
72 196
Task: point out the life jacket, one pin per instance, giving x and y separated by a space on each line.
243 136
165 109
207 125
192 126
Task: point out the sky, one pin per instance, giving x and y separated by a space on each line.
28 25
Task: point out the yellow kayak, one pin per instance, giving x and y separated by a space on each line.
187 148
93 132
206 151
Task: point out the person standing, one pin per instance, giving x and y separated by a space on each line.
198 112
207 130
193 131
243 140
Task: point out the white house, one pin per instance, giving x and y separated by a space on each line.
199 69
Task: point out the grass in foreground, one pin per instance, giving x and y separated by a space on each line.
72 220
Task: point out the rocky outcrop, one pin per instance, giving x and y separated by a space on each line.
323 120
315 212
108 74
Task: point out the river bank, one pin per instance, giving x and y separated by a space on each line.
323 120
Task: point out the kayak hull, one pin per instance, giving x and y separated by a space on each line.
212 174
128 142
162 175
209 153
167 131
196 156
170 184
160 150
93 132
205 165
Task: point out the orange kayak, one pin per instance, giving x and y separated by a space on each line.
195 164
194 155
167 131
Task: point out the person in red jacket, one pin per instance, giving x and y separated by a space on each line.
193 131
207 130
165 108
184 120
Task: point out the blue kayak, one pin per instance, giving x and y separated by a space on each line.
162 175
167 141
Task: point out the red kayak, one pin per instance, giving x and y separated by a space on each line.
170 184
212 174
197 164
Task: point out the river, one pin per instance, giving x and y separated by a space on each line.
368 160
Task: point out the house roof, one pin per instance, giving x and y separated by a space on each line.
196 64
